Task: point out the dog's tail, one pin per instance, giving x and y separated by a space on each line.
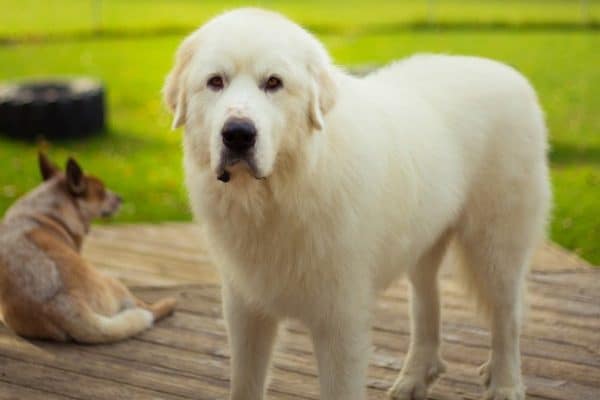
87 326
161 309
465 280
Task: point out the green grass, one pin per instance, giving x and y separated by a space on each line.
141 158
26 17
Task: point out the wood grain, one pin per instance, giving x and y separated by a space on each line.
186 356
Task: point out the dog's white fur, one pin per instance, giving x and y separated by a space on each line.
366 179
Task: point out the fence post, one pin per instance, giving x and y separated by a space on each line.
585 12
96 15
431 12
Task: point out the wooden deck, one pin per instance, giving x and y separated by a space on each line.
186 356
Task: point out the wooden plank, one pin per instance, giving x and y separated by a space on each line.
73 385
461 350
175 252
10 391
188 353
457 313
116 369
161 369
186 356
552 257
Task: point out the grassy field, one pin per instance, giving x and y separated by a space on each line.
26 17
140 158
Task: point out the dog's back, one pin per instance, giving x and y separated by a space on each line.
28 280
47 290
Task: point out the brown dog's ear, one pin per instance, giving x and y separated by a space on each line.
174 91
47 168
75 179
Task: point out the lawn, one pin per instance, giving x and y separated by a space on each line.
140 158
26 17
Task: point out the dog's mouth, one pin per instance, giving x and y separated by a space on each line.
232 164
111 210
107 213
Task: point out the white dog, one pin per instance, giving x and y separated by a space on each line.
318 189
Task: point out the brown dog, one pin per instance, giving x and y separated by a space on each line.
47 290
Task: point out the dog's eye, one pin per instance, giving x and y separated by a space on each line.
273 83
216 83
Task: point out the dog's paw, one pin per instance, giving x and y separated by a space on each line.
408 388
493 392
505 393
414 386
486 376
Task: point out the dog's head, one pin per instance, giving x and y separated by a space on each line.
90 195
249 86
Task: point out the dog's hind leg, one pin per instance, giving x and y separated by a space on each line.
423 363
495 269
84 325
161 309
496 244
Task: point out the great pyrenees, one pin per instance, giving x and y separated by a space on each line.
318 189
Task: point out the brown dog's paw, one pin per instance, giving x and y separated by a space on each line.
163 308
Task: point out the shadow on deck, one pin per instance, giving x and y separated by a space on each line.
186 356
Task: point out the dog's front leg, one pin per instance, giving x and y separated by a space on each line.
251 338
342 346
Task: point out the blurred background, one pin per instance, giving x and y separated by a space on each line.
129 46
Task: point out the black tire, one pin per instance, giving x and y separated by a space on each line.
52 109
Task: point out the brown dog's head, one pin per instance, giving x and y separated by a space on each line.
89 193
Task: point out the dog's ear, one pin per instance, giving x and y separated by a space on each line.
75 179
47 168
174 90
323 94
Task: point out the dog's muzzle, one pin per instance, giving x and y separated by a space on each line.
239 139
113 208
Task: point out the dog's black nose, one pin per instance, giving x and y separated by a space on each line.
239 134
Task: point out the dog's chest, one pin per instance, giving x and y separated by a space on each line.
286 292
280 267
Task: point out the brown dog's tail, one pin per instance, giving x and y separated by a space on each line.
162 308
87 326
